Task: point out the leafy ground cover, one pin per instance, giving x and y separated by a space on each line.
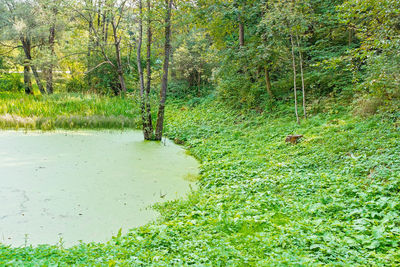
334 198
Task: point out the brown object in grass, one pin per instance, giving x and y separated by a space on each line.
293 138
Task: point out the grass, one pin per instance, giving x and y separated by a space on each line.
333 199
68 111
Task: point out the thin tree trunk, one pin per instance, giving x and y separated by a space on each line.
104 26
149 123
146 134
120 70
294 79
164 84
350 30
268 82
49 79
198 83
98 14
106 29
98 21
89 52
302 78
241 32
27 80
26 44
37 79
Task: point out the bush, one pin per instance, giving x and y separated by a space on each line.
11 82
181 90
76 85
367 106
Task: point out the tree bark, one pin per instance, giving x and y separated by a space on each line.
26 44
302 78
146 134
294 79
164 84
198 83
49 76
27 80
268 83
241 32
149 123
104 26
98 13
120 71
89 52
350 39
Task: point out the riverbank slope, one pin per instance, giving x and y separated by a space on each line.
333 198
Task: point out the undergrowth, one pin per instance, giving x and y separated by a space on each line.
333 198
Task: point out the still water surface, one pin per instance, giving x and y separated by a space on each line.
84 185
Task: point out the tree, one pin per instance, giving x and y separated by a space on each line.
105 13
377 25
164 82
284 20
145 101
19 23
145 92
50 11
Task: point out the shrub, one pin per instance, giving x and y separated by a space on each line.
11 82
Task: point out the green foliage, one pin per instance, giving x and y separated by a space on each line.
76 85
239 88
377 25
11 82
182 90
332 199
104 80
193 60
322 39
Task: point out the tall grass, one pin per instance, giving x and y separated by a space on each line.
68 111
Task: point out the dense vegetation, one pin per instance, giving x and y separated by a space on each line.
251 52
240 75
68 111
332 198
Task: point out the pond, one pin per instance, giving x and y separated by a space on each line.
67 186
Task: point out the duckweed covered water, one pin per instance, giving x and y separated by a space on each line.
84 185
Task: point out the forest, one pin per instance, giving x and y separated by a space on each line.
290 107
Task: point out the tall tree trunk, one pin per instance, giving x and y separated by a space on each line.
241 32
98 14
268 82
302 77
26 44
98 21
198 83
120 71
104 25
294 79
164 84
149 123
27 80
146 133
350 39
89 48
106 28
49 76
